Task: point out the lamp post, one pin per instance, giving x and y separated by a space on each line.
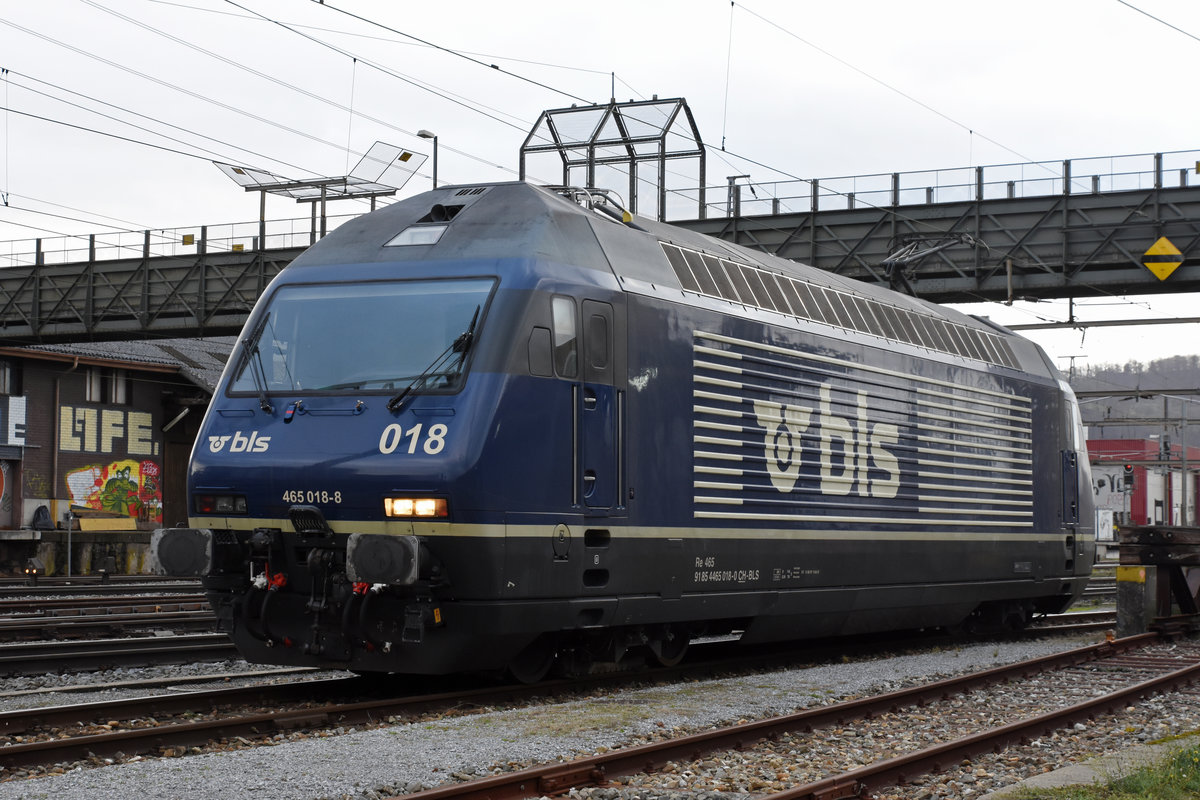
424 134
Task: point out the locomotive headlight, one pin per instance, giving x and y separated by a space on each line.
220 504
415 507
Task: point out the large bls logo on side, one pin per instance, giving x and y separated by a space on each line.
852 454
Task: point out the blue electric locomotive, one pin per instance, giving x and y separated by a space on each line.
502 425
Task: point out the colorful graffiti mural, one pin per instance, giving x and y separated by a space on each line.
127 487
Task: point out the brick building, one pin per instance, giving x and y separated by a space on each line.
102 429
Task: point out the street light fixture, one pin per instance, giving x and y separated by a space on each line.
424 134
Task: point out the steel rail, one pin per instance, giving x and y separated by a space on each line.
893 771
58 581
63 606
173 681
29 657
92 624
550 779
76 587
26 719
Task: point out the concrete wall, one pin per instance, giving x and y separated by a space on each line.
89 552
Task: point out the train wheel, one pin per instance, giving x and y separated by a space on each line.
670 648
534 662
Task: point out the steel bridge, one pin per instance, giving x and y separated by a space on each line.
1042 230
1082 228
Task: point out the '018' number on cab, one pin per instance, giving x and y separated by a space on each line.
431 441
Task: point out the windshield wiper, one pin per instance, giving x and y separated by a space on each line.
459 347
384 383
257 372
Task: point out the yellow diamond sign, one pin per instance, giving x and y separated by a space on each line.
1162 258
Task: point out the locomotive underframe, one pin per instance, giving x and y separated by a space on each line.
296 605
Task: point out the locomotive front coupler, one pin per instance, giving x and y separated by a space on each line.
421 614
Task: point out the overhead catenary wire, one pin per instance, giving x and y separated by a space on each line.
911 98
174 87
226 156
305 92
157 133
1159 20
107 134
124 223
379 67
394 40
178 88
456 53
205 154
389 72
401 33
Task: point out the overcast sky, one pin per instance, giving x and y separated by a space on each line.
811 89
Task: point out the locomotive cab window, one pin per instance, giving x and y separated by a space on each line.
566 340
328 338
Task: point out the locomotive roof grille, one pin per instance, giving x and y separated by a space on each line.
714 276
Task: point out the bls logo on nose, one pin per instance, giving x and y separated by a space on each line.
240 443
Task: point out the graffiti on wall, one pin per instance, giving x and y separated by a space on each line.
126 487
105 430
12 420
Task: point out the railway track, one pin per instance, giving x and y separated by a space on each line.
1074 622
176 618
23 658
42 736
163 724
1128 670
69 643
48 734
91 585
72 606
30 619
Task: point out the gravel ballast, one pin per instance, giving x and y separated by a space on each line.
407 757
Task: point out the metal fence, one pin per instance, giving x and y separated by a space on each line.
186 242
1102 175
740 197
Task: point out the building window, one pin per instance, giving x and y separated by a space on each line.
10 378
107 385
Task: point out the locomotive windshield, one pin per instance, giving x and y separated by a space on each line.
372 337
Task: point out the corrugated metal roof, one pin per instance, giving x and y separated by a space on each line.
199 360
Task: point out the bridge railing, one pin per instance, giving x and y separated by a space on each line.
923 187
740 198
187 242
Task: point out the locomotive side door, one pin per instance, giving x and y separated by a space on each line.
598 409
586 354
